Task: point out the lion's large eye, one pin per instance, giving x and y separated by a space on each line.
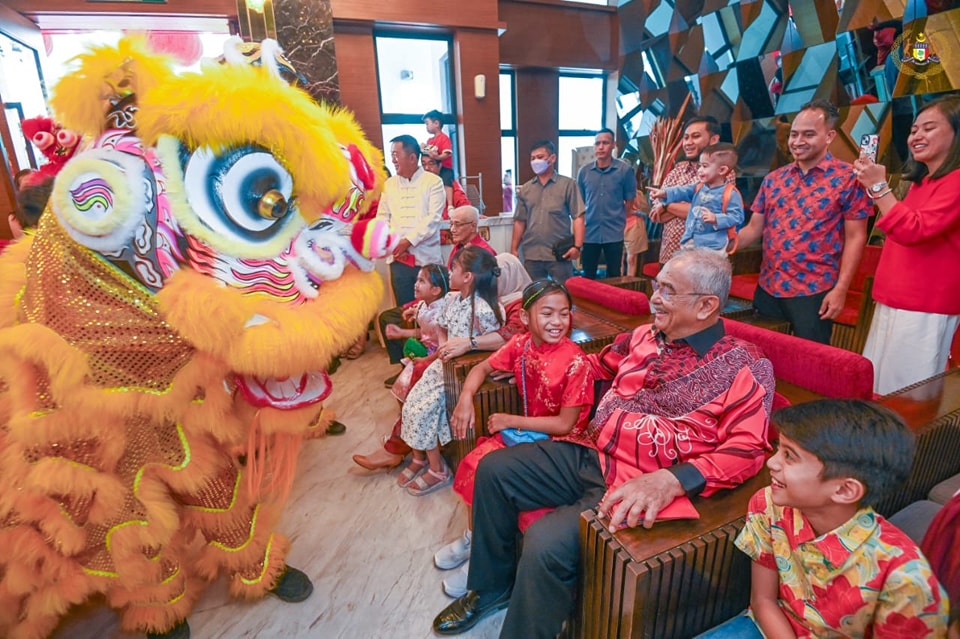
241 194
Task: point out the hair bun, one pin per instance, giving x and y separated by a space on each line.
496 271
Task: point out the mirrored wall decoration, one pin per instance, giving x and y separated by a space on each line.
753 64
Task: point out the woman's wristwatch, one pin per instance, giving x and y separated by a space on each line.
878 190
473 343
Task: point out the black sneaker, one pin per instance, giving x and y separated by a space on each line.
179 631
293 586
336 428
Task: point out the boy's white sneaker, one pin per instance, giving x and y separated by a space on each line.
454 553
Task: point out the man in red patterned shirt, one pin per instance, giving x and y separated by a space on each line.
812 216
686 415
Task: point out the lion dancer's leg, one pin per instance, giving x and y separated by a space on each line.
162 600
238 525
239 535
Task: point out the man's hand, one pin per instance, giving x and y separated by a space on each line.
410 313
708 217
833 303
657 211
642 496
402 247
392 331
572 253
463 417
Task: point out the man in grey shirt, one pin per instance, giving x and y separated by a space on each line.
546 206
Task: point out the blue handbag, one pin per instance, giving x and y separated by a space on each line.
514 436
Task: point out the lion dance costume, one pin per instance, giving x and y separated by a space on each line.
164 334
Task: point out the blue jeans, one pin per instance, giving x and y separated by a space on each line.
740 627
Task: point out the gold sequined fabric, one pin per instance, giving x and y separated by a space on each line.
102 311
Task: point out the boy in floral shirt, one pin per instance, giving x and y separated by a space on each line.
824 563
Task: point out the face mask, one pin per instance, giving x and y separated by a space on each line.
539 166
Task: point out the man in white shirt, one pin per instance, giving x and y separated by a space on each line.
412 203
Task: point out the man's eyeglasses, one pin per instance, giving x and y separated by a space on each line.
667 293
454 224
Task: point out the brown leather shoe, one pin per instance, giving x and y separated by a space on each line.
378 460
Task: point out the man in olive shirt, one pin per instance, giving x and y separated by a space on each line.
546 207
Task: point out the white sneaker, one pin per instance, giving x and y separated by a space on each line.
454 553
455 585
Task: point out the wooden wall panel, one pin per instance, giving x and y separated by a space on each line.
546 35
477 52
357 68
538 93
450 13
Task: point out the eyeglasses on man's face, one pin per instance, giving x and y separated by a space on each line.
455 224
667 292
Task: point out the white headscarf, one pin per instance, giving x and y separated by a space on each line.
513 278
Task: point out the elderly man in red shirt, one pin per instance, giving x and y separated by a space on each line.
465 231
687 414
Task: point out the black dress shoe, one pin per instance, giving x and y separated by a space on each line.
293 586
179 631
466 612
336 428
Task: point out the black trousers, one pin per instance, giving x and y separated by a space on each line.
525 477
394 346
802 312
612 257
402 279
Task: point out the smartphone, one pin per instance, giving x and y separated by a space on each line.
868 145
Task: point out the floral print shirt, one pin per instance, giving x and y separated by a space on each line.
864 579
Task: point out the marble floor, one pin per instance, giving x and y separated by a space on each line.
366 544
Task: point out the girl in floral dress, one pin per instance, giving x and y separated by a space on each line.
432 285
555 383
472 310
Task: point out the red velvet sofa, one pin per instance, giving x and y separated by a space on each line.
851 327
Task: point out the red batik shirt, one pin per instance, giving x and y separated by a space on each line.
803 219
698 407
558 376
864 579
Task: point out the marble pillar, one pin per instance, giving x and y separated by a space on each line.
305 31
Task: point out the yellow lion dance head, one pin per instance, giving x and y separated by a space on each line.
233 196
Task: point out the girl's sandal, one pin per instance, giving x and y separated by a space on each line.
429 482
413 470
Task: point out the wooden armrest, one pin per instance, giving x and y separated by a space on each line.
672 581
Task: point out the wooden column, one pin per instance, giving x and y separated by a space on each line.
477 52
538 94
